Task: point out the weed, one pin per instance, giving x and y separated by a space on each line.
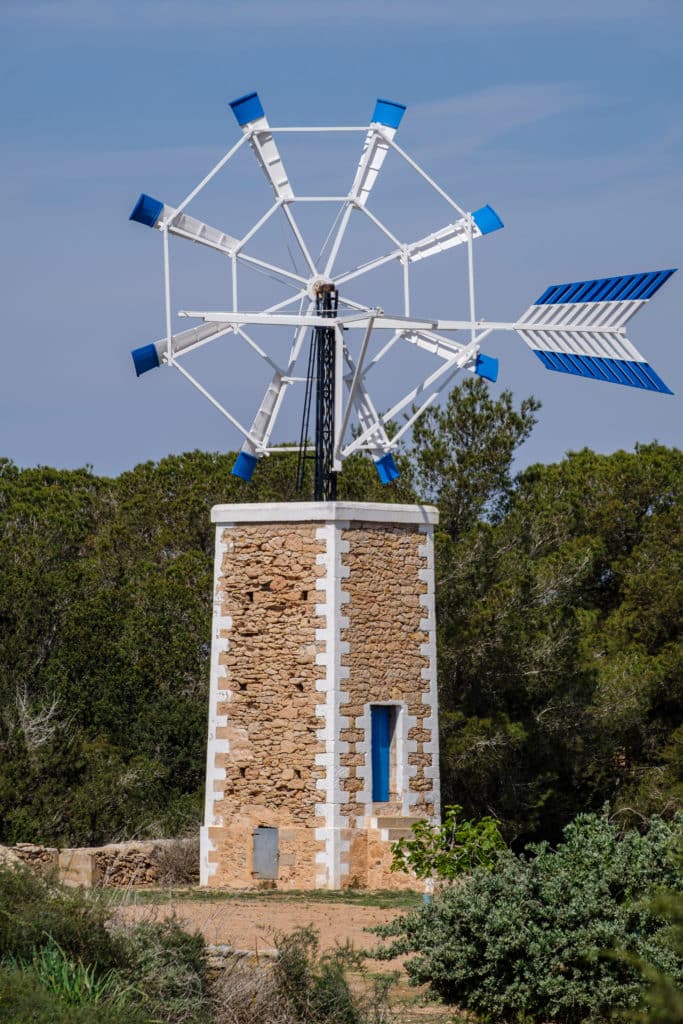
301 986
35 911
177 861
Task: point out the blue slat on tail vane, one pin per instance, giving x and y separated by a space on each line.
629 287
615 371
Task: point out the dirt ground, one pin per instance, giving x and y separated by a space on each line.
253 924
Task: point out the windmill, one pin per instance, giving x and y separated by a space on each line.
577 328
323 740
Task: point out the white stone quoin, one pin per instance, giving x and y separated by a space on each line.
323 613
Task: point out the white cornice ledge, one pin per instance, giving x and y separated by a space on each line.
324 511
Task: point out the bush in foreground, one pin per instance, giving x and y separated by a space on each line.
455 847
35 912
529 940
24 999
65 960
663 998
301 986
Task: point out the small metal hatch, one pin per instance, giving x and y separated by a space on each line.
266 853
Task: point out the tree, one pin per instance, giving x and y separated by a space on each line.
448 850
105 624
462 453
560 670
558 610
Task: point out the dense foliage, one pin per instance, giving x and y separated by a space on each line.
559 614
559 607
536 938
663 995
24 1000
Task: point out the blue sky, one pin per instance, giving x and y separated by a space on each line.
564 117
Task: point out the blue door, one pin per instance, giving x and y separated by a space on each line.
381 721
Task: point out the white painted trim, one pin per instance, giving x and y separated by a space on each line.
218 694
326 512
364 770
329 862
428 624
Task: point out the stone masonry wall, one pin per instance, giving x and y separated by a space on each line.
269 579
317 617
385 636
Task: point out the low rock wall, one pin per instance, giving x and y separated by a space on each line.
117 865
43 859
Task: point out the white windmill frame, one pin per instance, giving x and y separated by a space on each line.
577 328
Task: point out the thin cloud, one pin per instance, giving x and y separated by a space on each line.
477 119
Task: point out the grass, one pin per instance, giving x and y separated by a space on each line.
74 982
383 898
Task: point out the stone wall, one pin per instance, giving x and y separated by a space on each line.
116 865
385 637
42 859
268 775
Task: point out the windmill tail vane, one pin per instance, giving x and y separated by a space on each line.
577 328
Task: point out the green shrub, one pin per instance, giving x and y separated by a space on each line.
168 967
34 912
64 943
25 1000
663 996
528 940
455 847
75 983
315 987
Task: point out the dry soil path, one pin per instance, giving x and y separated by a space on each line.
254 924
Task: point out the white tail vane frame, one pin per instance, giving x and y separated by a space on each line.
577 328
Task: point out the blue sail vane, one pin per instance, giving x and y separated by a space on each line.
244 465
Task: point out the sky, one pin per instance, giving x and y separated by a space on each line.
564 117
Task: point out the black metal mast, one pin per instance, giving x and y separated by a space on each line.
321 371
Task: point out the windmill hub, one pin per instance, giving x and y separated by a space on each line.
316 285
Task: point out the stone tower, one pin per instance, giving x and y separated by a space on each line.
323 735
